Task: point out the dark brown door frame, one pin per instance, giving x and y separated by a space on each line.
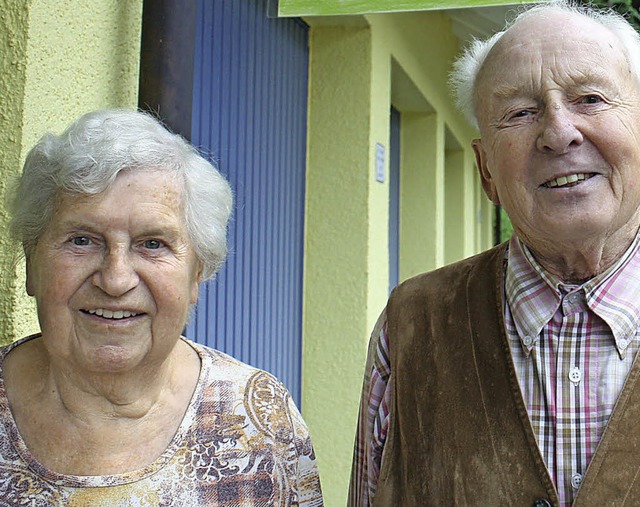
166 62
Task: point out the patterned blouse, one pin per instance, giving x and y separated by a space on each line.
242 443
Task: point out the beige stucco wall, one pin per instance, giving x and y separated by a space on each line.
60 58
359 66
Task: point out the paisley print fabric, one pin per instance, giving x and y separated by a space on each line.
242 443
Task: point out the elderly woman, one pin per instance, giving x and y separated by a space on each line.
109 405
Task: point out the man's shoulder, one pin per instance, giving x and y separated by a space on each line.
449 277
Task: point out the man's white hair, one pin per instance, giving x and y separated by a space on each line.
467 68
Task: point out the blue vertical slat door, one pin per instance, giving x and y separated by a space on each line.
249 114
394 199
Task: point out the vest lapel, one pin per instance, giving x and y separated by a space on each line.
459 431
505 410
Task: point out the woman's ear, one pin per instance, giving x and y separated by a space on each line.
196 283
29 281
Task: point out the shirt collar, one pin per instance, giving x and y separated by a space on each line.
534 295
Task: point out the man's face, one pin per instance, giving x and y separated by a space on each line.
559 115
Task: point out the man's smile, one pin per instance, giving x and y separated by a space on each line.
571 180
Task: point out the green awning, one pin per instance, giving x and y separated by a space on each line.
288 8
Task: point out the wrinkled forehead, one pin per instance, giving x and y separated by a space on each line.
551 41
160 186
552 50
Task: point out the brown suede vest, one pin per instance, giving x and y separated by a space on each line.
460 434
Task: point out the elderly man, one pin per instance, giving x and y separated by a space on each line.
509 378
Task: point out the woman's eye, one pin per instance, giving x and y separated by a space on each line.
153 244
80 241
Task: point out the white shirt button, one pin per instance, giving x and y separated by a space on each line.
576 480
527 340
622 343
575 375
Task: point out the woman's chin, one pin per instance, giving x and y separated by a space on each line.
113 359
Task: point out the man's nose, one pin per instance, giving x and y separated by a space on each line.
117 274
558 131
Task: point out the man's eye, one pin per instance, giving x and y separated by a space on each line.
591 99
521 114
80 241
153 244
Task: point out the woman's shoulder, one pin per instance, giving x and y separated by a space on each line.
221 366
246 398
22 361
229 380
25 343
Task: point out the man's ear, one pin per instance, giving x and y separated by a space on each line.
485 173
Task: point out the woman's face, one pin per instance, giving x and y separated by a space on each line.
114 275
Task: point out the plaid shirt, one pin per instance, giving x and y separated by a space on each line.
572 348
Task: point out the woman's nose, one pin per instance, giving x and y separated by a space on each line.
117 274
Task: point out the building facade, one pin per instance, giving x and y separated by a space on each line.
333 119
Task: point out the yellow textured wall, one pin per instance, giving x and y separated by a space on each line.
424 47
68 57
422 194
336 269
355 69
13 58
437 215
455 206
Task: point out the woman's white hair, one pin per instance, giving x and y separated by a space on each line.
92 151
467 68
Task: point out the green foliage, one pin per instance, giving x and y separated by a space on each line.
506 229
630 9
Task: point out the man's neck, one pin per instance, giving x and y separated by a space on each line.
577 262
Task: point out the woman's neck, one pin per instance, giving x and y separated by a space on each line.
87 426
